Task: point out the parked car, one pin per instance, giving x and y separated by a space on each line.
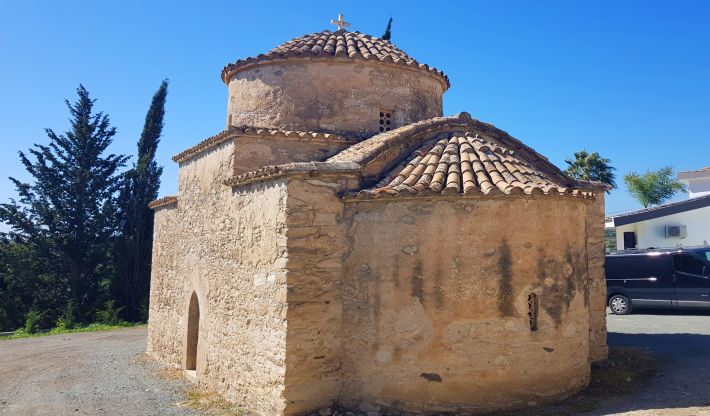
658 278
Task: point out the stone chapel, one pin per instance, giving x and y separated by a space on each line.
341 242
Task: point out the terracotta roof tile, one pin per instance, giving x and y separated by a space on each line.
414 135
454 155
462 163
350 45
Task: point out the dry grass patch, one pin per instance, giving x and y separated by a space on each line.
170 374
164 373
143 358
212 404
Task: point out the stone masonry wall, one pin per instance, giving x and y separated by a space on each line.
411 305
256 152
316 247
598 349
225 245
166 295
435 301
331 96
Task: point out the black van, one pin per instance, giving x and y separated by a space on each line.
658 278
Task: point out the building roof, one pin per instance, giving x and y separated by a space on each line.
463 163
340 44
381 154
661 210
455 155
693 174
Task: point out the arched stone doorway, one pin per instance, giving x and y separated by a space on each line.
193 329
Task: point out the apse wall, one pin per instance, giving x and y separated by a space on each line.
472 303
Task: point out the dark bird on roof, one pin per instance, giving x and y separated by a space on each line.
388 32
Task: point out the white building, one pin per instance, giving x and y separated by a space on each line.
683 223
698 181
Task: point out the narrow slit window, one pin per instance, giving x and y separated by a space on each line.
532 311
386 120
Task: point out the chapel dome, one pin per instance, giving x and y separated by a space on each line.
341 82
338 44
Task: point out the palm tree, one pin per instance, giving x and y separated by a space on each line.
654 186
591 167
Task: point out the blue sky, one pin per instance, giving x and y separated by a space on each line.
629 79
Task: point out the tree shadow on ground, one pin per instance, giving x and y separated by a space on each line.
677 383
681 381
623 373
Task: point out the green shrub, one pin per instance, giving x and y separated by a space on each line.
20 333
32 320
68 319
109 315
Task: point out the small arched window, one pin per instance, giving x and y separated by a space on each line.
193 329
532 312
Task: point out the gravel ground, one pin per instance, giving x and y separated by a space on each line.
91 373
105 373
682 341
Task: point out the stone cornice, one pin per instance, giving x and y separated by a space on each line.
591 185
362 196
248 131
420 68
292 169
163 202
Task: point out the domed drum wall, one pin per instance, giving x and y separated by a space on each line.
331 96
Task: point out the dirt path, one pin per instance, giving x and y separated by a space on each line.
103 373
92 373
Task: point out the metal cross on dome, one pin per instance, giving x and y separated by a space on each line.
341 23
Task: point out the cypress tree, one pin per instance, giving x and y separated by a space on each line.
140 186
68 212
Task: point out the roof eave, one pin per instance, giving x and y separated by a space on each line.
693 174
234 132
661 211
272 172
165 201
592 185
232 69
